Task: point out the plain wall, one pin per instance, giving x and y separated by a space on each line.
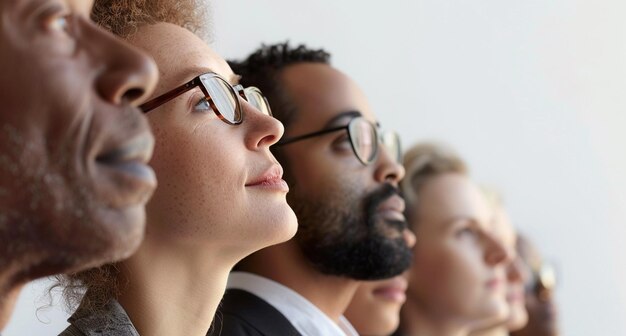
531 93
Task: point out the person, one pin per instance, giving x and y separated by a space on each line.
221 194
74 148
457 278
516 275
540 303
375 307
343 173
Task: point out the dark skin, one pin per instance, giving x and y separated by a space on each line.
74 148
323 167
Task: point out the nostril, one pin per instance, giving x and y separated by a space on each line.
132 95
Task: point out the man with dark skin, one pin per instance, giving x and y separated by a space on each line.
74 148
343 174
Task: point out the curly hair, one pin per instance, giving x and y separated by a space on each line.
423 162
124 17
263 68
92 289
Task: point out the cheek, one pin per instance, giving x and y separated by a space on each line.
197 179
447 276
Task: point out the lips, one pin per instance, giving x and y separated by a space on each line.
392 208
270 179
126 166
393 290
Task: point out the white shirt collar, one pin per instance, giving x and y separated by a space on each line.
301 313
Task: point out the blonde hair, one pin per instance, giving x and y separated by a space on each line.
425 161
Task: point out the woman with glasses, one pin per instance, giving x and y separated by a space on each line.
220 197
457 278
540 303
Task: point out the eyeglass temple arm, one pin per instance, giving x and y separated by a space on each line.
310 135
164 98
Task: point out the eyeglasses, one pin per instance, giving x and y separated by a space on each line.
543 281
364 139
221 96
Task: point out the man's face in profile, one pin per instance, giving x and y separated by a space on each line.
73 150
350 214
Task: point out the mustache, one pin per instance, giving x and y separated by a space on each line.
375 198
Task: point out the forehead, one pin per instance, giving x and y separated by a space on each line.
179 54
320 93
450 196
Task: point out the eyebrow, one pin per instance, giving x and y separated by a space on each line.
455 219
341 116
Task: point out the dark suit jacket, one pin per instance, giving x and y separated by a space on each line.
244 314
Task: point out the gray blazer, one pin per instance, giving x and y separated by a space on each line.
111 321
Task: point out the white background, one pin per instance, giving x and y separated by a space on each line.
531 93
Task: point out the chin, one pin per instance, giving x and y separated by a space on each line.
518 319
278 226
104 236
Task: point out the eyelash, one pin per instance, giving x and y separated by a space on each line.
58 19
200 101
467 230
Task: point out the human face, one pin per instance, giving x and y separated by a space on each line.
74 178
516 274
375 307
540 304
458 272
220 186
351 221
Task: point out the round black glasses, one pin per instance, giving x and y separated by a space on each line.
364 139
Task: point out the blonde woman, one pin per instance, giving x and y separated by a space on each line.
457 279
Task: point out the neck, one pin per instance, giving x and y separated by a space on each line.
285 264
174 291
415 321
7 303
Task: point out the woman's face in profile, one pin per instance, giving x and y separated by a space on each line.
516 273
375 307
217 182
458 270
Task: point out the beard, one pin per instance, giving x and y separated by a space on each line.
343 235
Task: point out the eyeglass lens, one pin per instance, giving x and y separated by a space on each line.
365 138
256 99
223 97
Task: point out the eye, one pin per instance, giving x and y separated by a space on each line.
58 20
467 231
202 105
60 24
342 142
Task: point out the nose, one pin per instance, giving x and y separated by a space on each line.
495 251
261 130
128 75
516 272
387 168
409 238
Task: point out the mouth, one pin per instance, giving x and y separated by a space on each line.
393 291
271 180
494 283
127 164
392 209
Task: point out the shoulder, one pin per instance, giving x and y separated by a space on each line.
72 331
243 313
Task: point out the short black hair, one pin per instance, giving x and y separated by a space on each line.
263 67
